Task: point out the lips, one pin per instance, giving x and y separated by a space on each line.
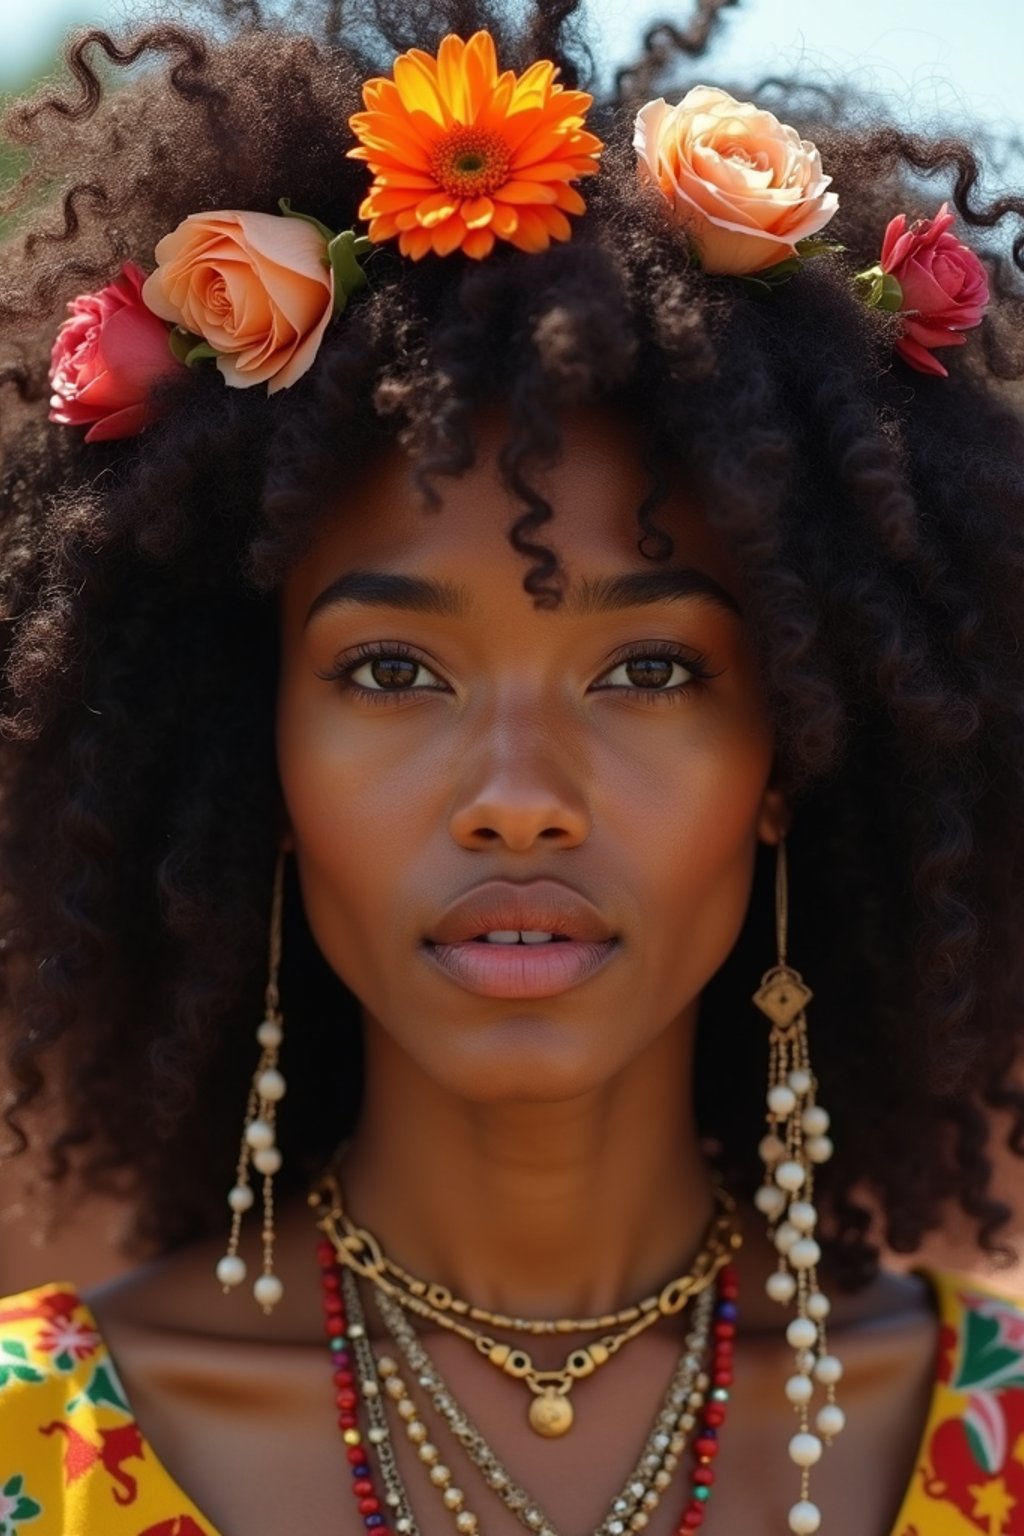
583 941
520 970
543 906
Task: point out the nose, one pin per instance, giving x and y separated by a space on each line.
517 788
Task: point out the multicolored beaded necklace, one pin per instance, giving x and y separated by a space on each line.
360 1403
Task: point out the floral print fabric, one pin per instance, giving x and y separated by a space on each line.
73 1461
970 1470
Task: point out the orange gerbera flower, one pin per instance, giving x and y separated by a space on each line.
462 156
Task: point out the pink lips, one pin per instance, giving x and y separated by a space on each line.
521 970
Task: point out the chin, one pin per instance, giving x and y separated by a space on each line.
526 1061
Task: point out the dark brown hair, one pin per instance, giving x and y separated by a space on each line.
878 516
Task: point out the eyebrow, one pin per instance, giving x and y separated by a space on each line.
419 594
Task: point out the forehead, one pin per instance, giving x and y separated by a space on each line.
594 488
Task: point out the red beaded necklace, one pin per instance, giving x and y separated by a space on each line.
369 1504
713 1414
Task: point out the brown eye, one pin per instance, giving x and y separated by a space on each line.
383 670
393 671
649 671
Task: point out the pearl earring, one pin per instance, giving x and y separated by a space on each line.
795 1142
259 1135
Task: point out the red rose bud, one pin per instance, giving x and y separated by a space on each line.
107 356
943 284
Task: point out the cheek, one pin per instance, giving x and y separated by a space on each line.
353 811
368 802
693 829
366 784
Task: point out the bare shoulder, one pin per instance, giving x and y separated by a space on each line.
179 1293
219 1389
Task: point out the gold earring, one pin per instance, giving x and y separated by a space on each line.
259 1133
796 1141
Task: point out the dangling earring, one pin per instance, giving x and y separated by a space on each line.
258 1133
795 1142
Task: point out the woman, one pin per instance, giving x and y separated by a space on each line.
559 583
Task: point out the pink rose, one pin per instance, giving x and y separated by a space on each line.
106 357
945 287
254 286
744 186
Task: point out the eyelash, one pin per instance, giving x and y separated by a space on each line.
693 662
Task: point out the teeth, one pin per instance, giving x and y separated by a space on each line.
513 936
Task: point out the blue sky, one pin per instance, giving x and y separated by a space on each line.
923 53
939 58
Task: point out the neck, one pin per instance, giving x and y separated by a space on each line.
534 1209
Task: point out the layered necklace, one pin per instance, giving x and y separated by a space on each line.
375 1403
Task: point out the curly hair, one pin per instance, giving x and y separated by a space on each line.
877 517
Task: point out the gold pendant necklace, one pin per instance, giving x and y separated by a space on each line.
551 1412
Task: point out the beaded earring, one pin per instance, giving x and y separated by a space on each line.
259 1131
795 1142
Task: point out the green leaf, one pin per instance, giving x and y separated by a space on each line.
14 1347
762 285
815 246
892 294
13 1486
285 205
755 288
25 1373
781 272
181 343
200 353
879 289
189 349
64 1361
27 1509
343 252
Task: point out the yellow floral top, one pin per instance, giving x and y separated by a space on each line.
73 1461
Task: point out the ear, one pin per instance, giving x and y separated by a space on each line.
775 817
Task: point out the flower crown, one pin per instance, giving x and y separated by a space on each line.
463 157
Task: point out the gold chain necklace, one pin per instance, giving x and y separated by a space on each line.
669 1300
550 1413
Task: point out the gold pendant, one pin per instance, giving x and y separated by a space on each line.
551 1414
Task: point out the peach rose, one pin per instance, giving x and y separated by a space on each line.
744 186
254 286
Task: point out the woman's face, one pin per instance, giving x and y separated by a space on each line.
456 762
